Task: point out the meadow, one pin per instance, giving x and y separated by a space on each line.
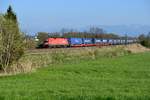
125 77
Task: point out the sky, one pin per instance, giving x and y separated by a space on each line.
52 15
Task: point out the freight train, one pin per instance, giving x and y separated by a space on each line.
84 42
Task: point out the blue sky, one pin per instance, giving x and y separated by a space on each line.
52 15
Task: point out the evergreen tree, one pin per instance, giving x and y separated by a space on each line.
11 15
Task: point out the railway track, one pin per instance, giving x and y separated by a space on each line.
50 50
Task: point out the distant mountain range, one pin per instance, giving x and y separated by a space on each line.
131 30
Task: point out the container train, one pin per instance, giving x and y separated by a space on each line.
84 42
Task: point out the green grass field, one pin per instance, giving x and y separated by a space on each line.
118 78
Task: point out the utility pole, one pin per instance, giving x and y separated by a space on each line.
126 39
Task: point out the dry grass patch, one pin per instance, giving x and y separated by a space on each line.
136 48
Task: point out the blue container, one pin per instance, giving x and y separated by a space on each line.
118 41
88 41
105 40
114 41
123 41
97 41
110 41
75 41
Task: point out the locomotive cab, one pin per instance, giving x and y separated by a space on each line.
45 44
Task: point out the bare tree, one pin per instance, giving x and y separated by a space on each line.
96 30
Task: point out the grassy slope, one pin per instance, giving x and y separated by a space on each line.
125 77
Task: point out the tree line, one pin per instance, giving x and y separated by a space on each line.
93 32
145 40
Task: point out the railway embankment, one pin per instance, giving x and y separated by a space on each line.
38 58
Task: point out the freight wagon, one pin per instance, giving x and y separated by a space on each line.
88 42
75 42
98 42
